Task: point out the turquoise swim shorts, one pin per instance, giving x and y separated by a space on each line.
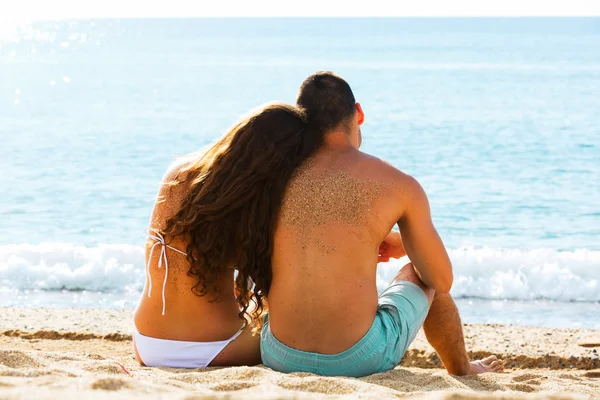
402 310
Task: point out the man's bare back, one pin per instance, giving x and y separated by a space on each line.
338 208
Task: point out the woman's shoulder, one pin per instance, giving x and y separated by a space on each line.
174 188
181 167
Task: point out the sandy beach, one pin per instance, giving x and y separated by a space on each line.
63 353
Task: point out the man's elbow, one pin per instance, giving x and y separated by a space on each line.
443 284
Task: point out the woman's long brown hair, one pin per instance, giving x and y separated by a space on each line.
231 209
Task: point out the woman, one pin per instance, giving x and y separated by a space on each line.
214 215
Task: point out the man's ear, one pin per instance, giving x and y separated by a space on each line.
360 114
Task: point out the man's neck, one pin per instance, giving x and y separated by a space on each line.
337 139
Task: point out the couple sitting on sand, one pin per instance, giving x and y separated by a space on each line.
285 208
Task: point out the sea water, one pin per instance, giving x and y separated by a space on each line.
499 119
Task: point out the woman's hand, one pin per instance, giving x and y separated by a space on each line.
391 247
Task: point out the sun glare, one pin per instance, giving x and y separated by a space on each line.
9 30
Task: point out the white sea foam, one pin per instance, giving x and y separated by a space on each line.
54 266
479 272
518 274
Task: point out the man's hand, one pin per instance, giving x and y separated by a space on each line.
391 247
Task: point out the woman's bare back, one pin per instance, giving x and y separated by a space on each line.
187 316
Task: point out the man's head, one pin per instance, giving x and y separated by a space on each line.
330 105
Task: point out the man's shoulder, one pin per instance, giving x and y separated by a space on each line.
385 172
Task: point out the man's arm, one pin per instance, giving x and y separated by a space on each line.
423 245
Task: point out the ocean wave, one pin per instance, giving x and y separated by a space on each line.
478 272
518 274
58 266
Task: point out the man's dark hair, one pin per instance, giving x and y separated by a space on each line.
327 100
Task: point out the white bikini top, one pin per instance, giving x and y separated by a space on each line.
159 240
173 353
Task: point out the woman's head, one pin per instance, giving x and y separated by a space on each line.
236 190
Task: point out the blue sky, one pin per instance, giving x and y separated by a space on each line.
62 9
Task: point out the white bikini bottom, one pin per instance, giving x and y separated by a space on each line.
178 353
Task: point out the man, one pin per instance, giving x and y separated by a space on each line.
335 224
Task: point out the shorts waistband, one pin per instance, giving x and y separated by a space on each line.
356 353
